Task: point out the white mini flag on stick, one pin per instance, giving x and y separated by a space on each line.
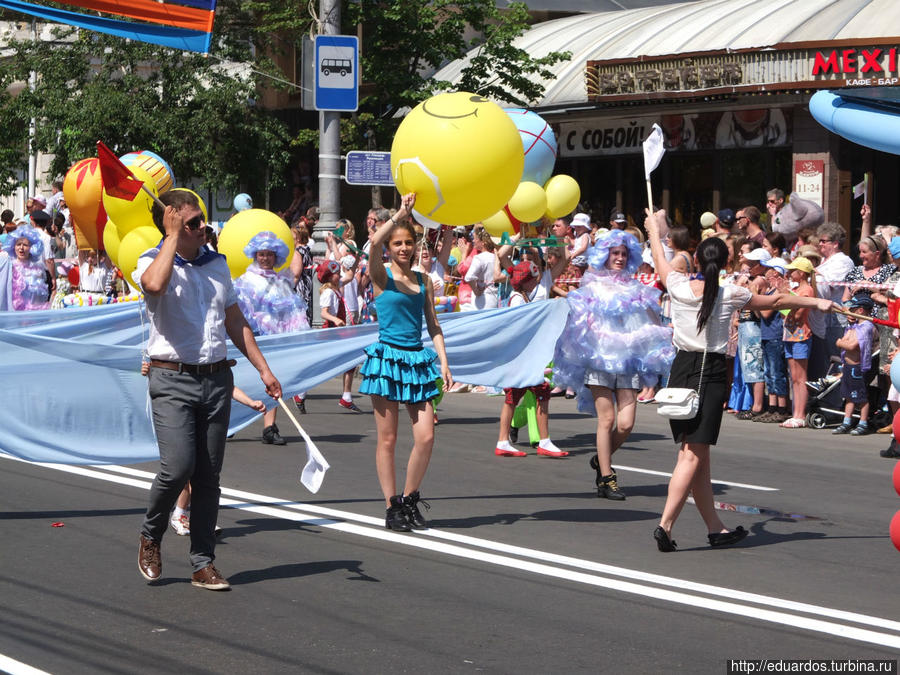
314 471
861 188
654 149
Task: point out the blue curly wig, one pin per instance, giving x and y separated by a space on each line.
31 234
598 254
267 241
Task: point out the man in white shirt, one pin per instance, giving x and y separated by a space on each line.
52 207
192 305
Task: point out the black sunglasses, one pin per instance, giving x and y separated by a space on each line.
195 223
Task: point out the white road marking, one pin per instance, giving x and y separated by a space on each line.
430 540
13 667
714 481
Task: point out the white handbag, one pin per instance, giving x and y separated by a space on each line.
680 403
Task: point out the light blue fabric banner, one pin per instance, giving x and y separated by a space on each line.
76 395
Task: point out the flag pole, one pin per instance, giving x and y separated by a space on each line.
153 197
649 196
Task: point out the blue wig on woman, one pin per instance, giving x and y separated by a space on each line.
267 241
598 254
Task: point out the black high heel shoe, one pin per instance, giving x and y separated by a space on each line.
663 543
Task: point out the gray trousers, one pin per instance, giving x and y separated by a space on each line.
190 416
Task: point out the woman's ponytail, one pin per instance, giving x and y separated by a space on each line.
712 254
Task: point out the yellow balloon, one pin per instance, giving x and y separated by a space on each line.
498 223
132 245
528 203
131 214
241 228
112 241
462 156
199 199
563 194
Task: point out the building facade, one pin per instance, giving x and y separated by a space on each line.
729 82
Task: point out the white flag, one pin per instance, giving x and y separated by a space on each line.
859 189
314 471
654 149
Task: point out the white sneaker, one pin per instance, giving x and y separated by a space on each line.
181 524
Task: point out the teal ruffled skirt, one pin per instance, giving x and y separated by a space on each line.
399 374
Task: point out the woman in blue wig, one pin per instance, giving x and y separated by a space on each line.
26 277
612 346
268 301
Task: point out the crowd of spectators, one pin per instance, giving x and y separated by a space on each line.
775 355
777 358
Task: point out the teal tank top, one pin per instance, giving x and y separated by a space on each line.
400 314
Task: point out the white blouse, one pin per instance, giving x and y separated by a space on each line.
686 306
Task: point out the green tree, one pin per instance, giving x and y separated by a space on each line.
403 40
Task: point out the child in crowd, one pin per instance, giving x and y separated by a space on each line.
524 278
797 338
334 314
856 362
771 331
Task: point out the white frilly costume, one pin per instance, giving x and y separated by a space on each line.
613 324
267 297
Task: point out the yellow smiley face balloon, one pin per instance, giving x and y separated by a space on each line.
462 156
241 228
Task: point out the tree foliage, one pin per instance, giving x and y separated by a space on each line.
197 112
404 41
201 114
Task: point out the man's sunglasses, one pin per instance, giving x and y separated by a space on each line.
195 223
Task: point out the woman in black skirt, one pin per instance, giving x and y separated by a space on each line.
701 312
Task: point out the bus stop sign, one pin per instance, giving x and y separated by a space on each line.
337 72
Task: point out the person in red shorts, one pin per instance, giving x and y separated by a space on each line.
523 277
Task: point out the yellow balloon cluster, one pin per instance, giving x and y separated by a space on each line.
462 156
123 228
245 225
558 197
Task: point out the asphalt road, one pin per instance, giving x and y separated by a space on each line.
525 570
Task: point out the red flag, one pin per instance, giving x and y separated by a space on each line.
118 181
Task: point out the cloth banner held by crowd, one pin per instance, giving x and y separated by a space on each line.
80 398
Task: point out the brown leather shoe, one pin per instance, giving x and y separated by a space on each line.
149 559
210 578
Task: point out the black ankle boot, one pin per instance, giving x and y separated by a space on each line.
270 436
397 516
609 488
892 452
595 465
411 502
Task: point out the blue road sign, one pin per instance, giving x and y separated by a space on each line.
337 72
368 168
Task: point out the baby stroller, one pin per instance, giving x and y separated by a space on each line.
826 407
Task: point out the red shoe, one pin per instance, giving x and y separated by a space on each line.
500 452
550 452
348 405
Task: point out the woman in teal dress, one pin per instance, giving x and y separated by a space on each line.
399 369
